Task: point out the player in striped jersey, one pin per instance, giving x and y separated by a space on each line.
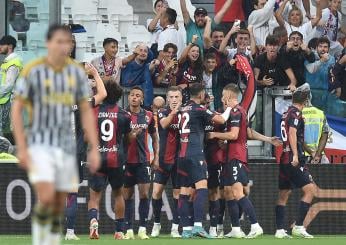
48 88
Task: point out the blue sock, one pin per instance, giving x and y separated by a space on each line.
214 207
183 210
241 211
119 225
190 212
71 210
175 212
93 214
198 204
129 209
221 211
143 211
157 206
280 216
233 210
303 210
248 208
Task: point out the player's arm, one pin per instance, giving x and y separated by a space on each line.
219 15
155 142
254 135
101 92
222 119
292 135
230 135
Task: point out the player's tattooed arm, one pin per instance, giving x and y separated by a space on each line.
254 135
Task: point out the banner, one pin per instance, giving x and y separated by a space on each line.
336 147
326 216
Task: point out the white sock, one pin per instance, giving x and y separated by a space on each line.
198 224
255 226
157 224
187 228
236 229
142 229
175 227
40 233
70 231
55 238
219 227
212 228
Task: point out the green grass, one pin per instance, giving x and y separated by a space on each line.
264 240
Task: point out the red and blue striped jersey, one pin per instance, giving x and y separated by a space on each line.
214 154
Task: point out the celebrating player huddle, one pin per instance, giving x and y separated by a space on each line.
203 152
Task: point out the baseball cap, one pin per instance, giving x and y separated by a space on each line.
8 40
201 10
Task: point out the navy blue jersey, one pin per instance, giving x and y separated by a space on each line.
292 118
169 138
113 125
138 149
214 154
193 119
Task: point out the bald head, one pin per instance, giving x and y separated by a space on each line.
158 103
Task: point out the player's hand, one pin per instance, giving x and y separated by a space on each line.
194 39
175 109
94 160
210 136
292 87
267 81
135 132
295 161
275 141
24 159
316 159
324 57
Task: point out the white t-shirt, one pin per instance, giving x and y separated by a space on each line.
115 68
170 35
234 51
156 33
304 29
208 79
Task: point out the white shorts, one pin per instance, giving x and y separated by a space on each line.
53 165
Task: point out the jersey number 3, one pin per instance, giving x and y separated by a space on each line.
184 118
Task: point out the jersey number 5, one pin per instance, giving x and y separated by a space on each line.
107 130
184 118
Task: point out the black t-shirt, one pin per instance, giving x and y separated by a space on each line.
274 70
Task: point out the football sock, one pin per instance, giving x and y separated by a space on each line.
248 208
303 210
280 216
214 207
157 206
119 225
233 210
221 211
143 211
71 210
93 214
41 224
183 205
175 211
128 213
198 204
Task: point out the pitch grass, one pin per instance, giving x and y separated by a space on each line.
165 240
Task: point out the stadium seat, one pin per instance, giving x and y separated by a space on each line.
66 12
36 36
103 31
137 34
83 45
343 7
85 14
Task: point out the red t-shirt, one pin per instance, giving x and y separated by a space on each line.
234 12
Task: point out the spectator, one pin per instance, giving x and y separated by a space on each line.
169 33
262 19
109 65
316 131
190 68
9 72
139 72
197 26
212 41
297 52
295 20
236 12
339 72
210 77
280 33
154 25
270 67
330 24
242 40
317 73
165 75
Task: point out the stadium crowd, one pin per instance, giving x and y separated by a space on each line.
264 44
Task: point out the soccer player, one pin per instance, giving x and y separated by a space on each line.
71 201
138 169
48 88
113 124
293 172
169 143
192 169
234 172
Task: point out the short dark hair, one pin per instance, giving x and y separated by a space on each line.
137 88
243 32
109 40
272 40
210 55
254 2
170 45
300 97
171 15
156 2
323 40
114 92
196 89
279 31
175 89
313 43
296 33
233 88
55 28
218 29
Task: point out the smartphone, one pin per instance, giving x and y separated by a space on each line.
237 23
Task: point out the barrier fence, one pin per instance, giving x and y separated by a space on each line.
327 215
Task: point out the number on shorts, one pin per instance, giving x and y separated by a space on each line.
149 171
186 118
218 174
235 171
107 130
283 131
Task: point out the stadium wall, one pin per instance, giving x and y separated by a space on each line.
327 215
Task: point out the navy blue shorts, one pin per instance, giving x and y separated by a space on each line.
162 174
214 172
137 174
291 177
81 160
105 176
191 170
233 172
